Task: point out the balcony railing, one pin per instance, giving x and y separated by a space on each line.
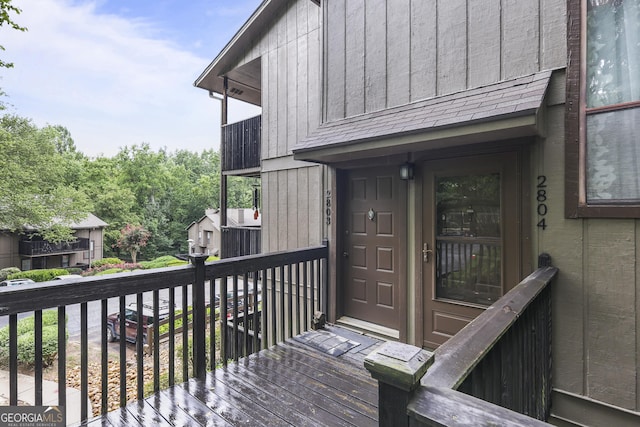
43 247
242 145
278 293
240 241
495 371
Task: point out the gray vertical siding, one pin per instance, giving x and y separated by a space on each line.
406 50
292 208
354 58
423 69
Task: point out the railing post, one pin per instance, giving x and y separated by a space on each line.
199 317
398 368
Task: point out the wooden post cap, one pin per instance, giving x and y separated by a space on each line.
399 365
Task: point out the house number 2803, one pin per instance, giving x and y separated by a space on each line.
541 198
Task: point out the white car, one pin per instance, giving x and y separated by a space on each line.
67 277
13 282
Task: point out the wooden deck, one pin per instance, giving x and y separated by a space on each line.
315 379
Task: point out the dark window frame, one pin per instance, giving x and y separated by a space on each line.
576 204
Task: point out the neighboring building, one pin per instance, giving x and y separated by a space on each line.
27 251
440 147
207 236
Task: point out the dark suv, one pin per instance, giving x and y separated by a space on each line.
131 317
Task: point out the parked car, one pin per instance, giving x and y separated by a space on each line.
14 282
132 315
67 277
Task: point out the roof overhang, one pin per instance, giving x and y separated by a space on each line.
245 79
505 110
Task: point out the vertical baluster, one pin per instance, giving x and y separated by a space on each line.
245 313
225 349
139 348
104 358
235 339
13 359
123 353
506 359
263 310
281 311
313 287
156 341
185 333
62 356
212 322
273 308
305 295
298 295
38 356
172 336
84 363
290 301
255 316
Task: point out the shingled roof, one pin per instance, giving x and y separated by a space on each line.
509 99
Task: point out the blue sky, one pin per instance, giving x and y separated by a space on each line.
121 72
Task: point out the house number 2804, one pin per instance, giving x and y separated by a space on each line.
541 198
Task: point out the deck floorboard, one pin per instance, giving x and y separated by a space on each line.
290 384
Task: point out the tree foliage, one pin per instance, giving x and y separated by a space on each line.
6 9
162 191
132 239
35 189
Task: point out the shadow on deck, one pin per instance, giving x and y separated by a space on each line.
317 378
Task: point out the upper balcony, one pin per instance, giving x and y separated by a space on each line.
44 247
241 148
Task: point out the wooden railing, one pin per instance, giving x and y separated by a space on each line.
495 371
502 358
240 241
242 144
285 291
43 247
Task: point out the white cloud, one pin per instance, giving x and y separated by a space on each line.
107 79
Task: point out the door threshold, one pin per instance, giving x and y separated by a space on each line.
368 328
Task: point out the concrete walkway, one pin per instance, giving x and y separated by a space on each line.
26 395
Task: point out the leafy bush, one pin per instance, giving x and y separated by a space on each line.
113 268
190 352
163 261
39 275
26 339
5 272
109 271
106 261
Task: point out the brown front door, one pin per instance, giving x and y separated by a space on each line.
471 234
373 227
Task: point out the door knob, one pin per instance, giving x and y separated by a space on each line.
426 252
345 254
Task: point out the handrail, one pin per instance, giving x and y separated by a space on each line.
438 400
300 274
456 358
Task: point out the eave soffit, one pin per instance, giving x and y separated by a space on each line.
211 78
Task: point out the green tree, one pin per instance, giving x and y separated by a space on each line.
6 9
34 187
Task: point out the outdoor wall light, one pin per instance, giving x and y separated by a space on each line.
406 171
